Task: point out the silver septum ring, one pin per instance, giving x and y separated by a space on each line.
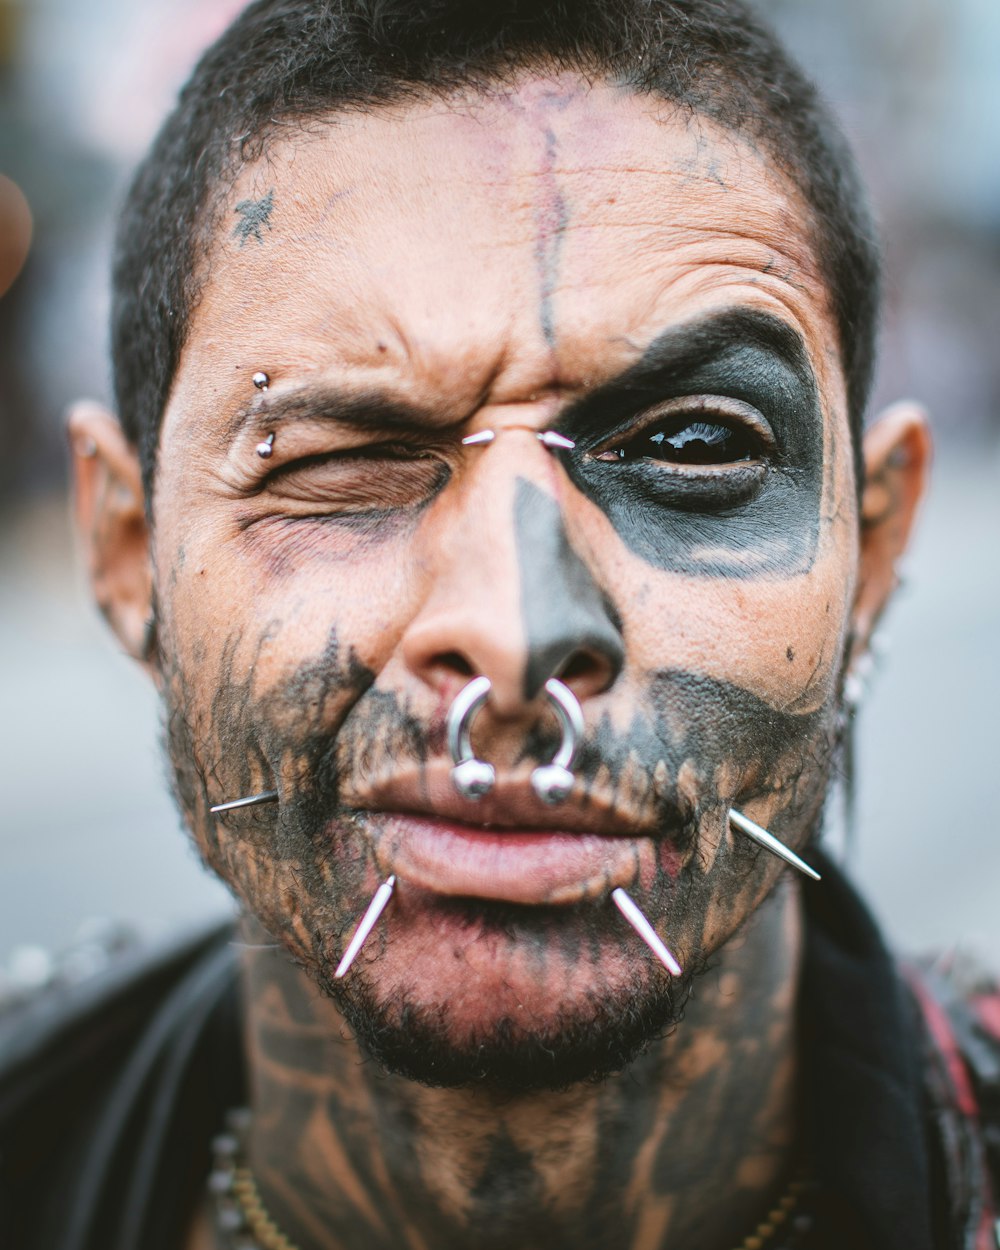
473 777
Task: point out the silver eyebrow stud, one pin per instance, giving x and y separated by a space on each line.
260 380
265 448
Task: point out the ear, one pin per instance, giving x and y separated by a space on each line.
113 531
897 453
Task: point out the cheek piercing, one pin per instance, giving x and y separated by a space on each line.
375 909
260 380
265 448
473 777
628 908
770 843
252 800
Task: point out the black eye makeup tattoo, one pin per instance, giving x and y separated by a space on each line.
707 455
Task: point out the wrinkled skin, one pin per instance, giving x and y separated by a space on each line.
560 256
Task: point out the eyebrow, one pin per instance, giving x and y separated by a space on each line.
366 410
742 352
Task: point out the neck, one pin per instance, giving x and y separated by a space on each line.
346 1156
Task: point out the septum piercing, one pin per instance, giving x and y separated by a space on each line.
549 438
473 777
368 921
743 824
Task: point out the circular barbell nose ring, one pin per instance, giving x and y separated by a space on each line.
473 778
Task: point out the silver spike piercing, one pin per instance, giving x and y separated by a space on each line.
476 440
368 921
630 910
770 843
473 777
265 448
252 800
556 441
260 380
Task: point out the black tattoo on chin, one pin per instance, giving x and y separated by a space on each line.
255 215
326 734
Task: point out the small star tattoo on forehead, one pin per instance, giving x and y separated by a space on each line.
253 215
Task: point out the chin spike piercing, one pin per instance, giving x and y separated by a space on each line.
265 448
629 909
261 381
473 777
770 843
368 921
252 800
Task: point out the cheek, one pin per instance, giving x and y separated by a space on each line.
270 597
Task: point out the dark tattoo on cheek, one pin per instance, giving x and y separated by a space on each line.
563 609
255 215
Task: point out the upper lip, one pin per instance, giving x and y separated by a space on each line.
512 804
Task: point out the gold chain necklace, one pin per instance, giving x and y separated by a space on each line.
245 1223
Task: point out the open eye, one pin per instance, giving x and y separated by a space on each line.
693 431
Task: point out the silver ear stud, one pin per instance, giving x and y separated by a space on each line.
368 921
630 910
473 778
770 843
266 448
261 381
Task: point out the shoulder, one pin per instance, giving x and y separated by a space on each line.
65 1051
959 1005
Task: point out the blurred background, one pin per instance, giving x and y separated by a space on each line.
86 828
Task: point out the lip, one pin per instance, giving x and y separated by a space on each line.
528 866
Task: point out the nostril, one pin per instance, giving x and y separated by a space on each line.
575 667
456 662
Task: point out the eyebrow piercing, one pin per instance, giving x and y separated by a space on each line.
630 910
476 440
265 448
252 800
770 843
473 778
368 921
260 380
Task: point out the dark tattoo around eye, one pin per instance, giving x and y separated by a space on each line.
255 215
737 515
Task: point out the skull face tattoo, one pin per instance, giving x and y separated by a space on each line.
683 557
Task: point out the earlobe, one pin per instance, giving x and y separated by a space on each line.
897 452
112 527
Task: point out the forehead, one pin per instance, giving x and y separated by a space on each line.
537 237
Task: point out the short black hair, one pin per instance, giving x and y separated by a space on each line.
288 61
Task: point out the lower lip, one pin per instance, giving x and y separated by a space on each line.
517 866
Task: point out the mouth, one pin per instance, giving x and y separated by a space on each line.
510 848
529 866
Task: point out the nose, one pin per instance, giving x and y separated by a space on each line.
512 600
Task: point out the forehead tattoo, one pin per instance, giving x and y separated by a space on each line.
255 215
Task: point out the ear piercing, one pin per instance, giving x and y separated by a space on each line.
548 438
473 777
770 843
265 448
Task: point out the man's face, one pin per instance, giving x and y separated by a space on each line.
561 258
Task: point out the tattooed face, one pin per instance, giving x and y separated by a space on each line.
556 257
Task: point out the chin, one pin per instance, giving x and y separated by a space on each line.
513 1008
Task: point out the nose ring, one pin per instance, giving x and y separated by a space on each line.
473 777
